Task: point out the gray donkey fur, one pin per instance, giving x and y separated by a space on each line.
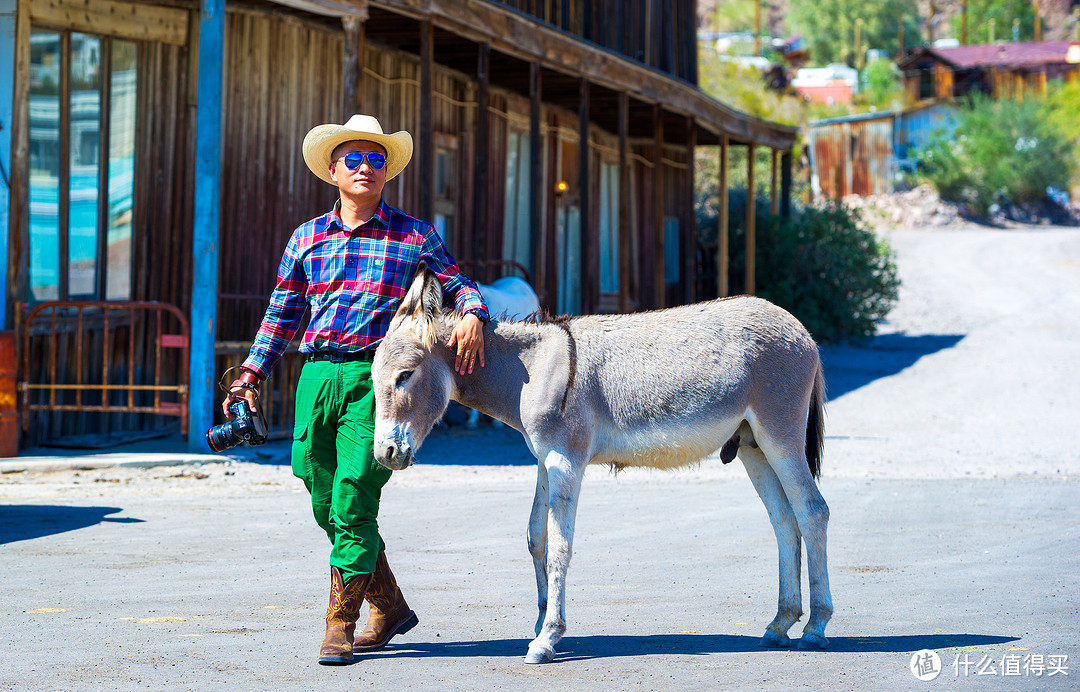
661 389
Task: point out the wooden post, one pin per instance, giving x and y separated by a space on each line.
426 158
1038 21
480 171
785 185
355 35
659 284
17 228
587 234
751 231
722 249
536 195
206 223
624 203
689 235
774 183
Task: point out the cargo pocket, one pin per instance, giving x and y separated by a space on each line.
301 453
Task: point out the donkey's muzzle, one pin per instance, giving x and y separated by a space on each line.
394 457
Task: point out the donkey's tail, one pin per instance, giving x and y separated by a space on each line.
815 424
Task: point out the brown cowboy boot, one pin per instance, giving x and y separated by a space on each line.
341 616
388 612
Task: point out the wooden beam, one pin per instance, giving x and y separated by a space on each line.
536 172
120 19
624 203
751 211
722 249
689 233
659 282
206 222
774 183
353 90
427 132
483 147
589 233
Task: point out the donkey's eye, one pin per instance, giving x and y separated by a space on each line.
402 378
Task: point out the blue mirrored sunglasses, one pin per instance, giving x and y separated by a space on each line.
354 158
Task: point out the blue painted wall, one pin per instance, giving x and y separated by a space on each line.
7 110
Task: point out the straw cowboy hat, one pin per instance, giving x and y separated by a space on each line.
321 140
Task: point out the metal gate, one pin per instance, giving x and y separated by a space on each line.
126 336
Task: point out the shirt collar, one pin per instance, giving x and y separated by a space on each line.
380 219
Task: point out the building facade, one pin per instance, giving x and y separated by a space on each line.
152 152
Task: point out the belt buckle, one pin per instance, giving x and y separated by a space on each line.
338 357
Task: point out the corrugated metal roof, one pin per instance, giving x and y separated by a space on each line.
995 54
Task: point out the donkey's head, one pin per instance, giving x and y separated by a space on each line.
412 382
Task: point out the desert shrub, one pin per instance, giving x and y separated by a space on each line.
822 264
1002 151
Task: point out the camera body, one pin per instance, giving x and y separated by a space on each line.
246 426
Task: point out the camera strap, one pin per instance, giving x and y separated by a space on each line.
237 385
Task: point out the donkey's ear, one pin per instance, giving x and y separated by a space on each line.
422 303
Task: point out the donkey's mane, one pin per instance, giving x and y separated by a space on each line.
540 316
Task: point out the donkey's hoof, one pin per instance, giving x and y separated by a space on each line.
539 655
813 641
772 640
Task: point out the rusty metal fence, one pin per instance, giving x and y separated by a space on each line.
74 351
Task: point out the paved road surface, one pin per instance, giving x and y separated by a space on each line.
951 468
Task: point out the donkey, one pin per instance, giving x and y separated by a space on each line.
662 389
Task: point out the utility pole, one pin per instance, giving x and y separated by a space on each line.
900 39
930 24
757 27
963 23
858 42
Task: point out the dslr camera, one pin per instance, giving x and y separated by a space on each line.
246 426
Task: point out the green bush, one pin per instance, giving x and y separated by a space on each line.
1001 151
822 265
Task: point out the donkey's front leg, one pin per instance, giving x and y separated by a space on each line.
564 486
538 541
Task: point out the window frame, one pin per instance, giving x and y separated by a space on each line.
65 146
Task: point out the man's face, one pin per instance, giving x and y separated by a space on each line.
363 181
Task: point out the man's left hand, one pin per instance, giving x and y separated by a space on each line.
469 337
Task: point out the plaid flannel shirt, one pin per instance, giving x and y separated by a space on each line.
353 280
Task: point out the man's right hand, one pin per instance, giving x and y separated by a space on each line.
243 388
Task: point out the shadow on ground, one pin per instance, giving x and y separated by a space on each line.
24 522
616 646
848 368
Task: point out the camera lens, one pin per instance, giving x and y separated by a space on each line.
222 437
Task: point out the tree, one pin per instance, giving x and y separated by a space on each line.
1003 12
829 27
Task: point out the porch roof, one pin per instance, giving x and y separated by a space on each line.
518 39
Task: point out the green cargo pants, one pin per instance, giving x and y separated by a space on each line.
332 453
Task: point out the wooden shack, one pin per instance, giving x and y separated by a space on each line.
1002 70
153 150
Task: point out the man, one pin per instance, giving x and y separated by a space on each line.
352 266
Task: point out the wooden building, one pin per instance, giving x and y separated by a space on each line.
1002 70
153 150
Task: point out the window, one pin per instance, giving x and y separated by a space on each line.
517 239
672 251
445 174
609 228
82 162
